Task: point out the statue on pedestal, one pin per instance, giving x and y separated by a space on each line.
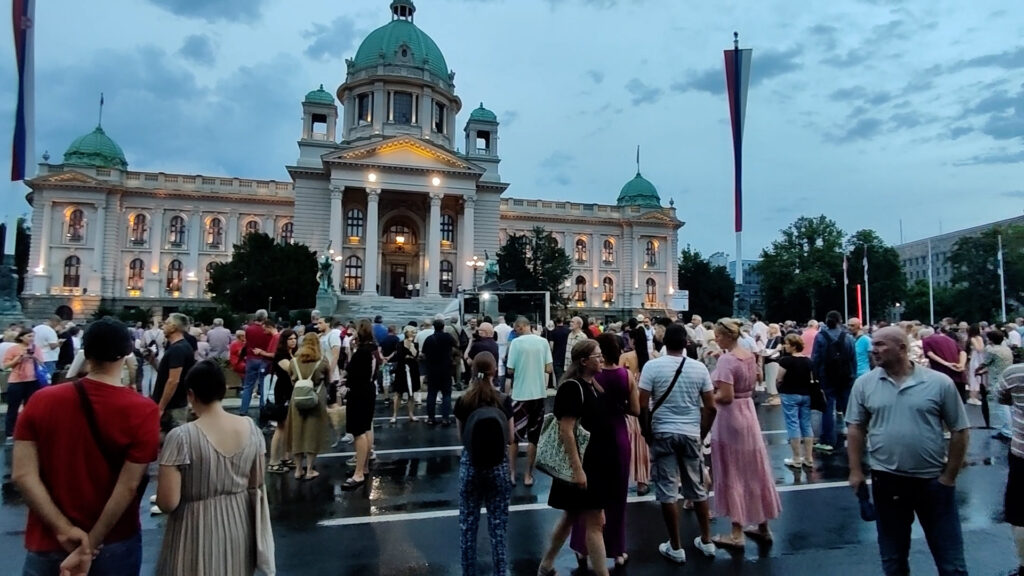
490 269
325 272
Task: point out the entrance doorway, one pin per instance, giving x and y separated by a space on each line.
398 281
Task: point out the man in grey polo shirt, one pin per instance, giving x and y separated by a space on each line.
900 408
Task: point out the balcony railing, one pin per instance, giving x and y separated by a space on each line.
67 291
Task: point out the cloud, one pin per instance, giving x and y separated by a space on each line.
198 48
247 11
957 132
862 95
825 36
765 65
1008 60
558 168
596 76
1000 115
642 93
591 3
509 117
332 40
1013 194
995 157
862 129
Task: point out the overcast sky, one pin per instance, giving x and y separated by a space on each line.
866 111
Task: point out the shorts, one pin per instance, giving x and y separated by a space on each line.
677 467
529 416
1013 503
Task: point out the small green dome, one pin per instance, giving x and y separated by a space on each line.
320 96
95 149
482 114
400 42
639 192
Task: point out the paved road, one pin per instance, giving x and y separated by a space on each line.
405 521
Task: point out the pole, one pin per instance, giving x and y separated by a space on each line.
846 291
1002 281
739 258
859 309
931 293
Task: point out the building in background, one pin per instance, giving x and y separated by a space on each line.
914 255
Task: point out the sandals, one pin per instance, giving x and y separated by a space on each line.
300 474
289 464
756 534
621 560
727 541
352 484
541 571
277 468
312 475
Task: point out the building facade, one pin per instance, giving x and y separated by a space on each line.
914 255
379 184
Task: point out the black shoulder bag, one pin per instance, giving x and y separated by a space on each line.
647 416
114 462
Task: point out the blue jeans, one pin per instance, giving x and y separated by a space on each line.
897 499
18 393
836 399
796 408
492 488
254 371
122 558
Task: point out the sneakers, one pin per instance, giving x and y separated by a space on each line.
820 447
974 401
794 462
155 511
152 499
677 556
706 549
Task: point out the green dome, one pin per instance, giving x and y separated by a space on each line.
482 114
639 192
320 96
95 149
385 45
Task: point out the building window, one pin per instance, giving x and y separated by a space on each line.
403 108
580 295
137 230
174 276
608 295
76 226
447 277
440 118
136 274
652 253
176 233
354 223
608 251
581 251
399 234
651 297
209 276
353 274
364 109
447 228
72 269
215 234
287 232
252 227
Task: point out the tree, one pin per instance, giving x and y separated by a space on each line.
536 262
886 281
802 272
976 273
917 307
711 288
260 270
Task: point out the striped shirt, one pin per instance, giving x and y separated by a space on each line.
1011 387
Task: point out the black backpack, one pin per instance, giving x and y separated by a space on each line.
485 436
837 361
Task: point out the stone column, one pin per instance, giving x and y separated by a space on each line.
434 245
270 226
595 257
100 235
468 232
231 236
40 278
371 274
156 241
336 219
193 275
426 112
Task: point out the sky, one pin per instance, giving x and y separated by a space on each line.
889 115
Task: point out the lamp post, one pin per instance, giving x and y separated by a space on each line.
476 264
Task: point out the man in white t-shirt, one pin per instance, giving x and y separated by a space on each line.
759 331
677 464
46 339
529 363
501 332
330 348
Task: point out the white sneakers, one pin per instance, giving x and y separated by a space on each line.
154 510
679 556
706 549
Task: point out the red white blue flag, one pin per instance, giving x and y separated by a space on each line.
22 14
737 77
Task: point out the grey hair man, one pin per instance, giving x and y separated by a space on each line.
219 339
179 357
577 334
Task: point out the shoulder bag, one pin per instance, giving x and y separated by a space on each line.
114 462
647 416
552 456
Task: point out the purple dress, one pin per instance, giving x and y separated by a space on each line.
744 487
615 400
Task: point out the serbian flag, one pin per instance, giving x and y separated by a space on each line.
22 14
737 77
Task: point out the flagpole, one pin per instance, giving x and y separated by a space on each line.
867 291
738 158
931 294
846 291
1002 280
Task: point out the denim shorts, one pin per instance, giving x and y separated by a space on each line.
797 410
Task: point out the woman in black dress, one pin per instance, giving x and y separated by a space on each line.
580 398
361 398
287 344
405 374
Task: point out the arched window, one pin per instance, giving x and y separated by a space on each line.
76 226
399 234
353 274
581 251
580 295
354 223
215 234
652 253
447 228
137 230
174 276
608 251
136 274
609 289
209 276
651 297
176 232
447 277
252 227
72 268
287 232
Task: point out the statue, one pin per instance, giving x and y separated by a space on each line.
326 272
490 269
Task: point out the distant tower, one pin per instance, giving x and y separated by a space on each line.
319 121
482 141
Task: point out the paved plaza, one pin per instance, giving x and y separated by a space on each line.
405 521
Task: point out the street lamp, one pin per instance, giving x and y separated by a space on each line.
476 264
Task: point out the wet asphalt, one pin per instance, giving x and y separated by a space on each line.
404 521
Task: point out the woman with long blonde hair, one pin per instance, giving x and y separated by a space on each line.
308 428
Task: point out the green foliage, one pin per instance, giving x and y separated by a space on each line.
711 288
916 305
976 274
536 262
802 272
886 280
22 243
262 269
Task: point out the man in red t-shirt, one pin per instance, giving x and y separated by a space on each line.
257 357
946 355
82 489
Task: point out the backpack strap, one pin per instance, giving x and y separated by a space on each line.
297 371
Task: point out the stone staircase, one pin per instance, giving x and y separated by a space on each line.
397 311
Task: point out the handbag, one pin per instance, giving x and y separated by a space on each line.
647 416
43 375
114 462
552 456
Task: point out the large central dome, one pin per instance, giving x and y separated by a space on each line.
400 42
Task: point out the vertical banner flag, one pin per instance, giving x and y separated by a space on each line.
867 291
22 13
846 290
737 75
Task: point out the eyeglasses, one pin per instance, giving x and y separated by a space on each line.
598 355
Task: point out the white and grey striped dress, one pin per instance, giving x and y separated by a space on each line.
212 532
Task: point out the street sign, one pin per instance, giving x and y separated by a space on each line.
680 301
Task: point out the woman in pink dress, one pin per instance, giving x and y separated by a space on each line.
744 488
